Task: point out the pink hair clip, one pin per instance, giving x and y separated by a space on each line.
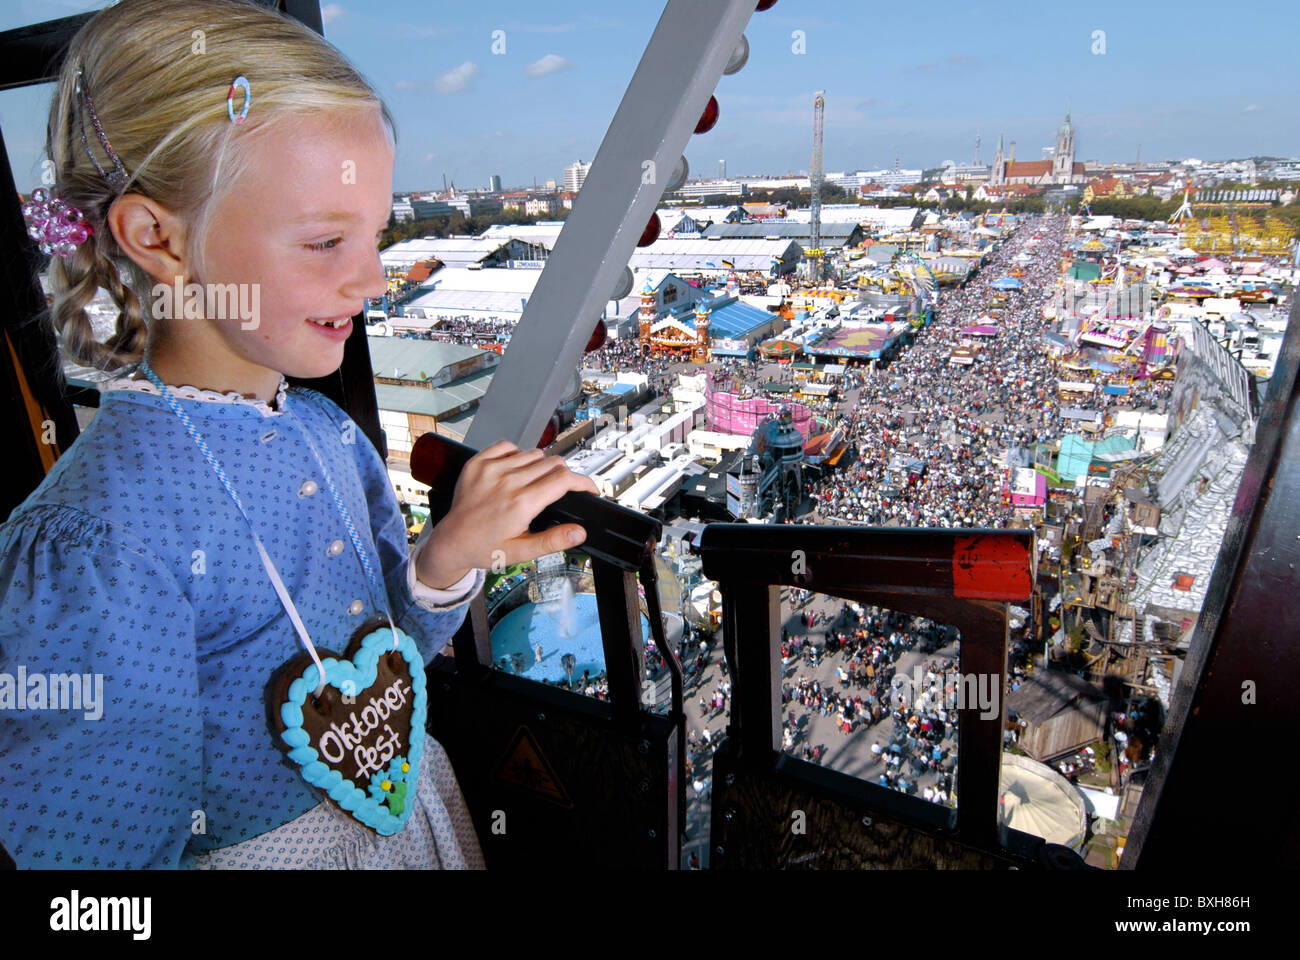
56 226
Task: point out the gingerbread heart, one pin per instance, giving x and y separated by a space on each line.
359 743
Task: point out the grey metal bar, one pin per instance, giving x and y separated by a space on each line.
672 84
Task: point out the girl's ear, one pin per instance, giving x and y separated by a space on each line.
150 234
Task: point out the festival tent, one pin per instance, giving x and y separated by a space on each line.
1006 283
1035 799
1074 458
1212 264
980 330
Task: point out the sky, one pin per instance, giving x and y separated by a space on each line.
916 83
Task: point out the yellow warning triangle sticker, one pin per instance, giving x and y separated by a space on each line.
523 765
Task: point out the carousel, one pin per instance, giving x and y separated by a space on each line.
780 349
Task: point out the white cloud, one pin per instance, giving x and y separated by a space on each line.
542 27
458 79
405 85
1252 108
548 64
331 12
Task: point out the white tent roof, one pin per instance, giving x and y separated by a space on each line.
1034 798
491 279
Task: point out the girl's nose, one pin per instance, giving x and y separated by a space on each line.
367 278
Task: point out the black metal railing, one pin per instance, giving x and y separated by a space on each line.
620 764
965 579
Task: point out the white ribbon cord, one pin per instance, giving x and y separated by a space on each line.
280 589
292 611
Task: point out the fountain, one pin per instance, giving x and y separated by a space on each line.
563 622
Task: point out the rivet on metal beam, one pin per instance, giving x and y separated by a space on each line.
739 57
680 173
624 286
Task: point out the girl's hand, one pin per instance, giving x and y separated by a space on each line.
500 491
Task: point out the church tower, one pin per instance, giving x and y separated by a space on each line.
997 175
1063 159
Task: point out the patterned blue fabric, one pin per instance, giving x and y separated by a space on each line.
439 835
130 560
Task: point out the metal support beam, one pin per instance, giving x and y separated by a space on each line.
672 84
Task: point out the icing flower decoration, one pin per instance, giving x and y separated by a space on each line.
389 786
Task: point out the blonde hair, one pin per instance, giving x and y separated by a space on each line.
162 105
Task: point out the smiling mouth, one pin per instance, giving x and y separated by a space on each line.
335 324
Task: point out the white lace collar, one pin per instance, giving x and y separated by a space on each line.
187 392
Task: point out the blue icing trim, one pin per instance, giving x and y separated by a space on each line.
297 737
356 675
303 755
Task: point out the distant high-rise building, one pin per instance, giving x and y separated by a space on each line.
722 169
574 175
494 183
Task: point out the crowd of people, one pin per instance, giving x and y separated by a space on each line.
953 462
465 330
917 728
932 438
624 356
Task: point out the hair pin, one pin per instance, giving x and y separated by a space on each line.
118 176
240 83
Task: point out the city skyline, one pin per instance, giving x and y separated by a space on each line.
527 91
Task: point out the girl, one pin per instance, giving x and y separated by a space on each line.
212 523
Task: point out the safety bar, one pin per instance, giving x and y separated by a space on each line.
964 579
619 541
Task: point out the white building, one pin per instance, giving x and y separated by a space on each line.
575 174
709 188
